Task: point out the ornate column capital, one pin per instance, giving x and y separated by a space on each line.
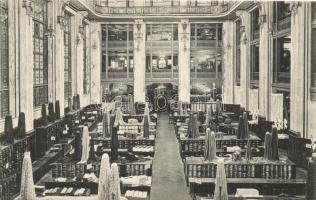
29 7
294 6
139 35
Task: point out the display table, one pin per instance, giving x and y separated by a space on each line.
198 167
191 147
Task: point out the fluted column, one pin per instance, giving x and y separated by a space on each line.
184 61
298 65
228 61
95 63
265 69
139 61
26 63
244 59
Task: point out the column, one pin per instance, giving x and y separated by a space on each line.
139 61
243 92
228 61
298 66
95 63
26 63
265 67
59 57
13 58
184 61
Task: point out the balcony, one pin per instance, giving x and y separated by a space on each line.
163 10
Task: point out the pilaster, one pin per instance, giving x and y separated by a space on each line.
228 61
26 63
139 61
95 63
184 61
298 66
265 68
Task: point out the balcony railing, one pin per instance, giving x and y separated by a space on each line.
284 24
161 10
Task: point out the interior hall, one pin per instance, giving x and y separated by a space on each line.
157 100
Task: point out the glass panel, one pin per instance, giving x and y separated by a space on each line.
67 59
313 56
117 61
40 70
205 60
254 24
175 62
282 59
283 10
206 32
4 65
238 64
117 32
192 64
160 32
255 62
192 34
148 64
238 25
175 32
219 62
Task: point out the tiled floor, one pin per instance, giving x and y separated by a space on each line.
168 175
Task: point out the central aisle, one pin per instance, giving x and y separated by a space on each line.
168 176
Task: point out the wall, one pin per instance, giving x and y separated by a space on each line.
303 109
21 60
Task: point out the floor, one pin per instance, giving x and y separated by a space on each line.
168 175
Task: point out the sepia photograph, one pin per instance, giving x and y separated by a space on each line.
157 100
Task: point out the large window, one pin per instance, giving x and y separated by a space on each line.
205 49
238 55
161 50
254 47
4 71
67 59
40 70
117 50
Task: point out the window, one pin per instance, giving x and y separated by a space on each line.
281 15
40 70
282 59
205 48
254 68
161 49
4 71
238 26
86 67
254 47
117 50
255 27
67 59
160 32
